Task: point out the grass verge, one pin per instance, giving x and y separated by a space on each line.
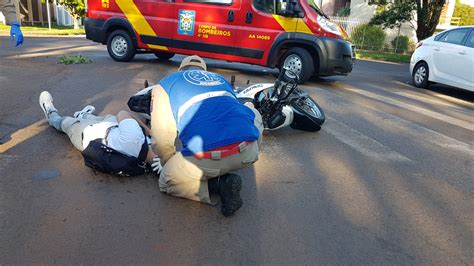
44 31
74 59
397 58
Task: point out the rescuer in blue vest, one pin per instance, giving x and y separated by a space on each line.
217 135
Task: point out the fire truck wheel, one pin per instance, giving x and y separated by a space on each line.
298 60
163 55
120 46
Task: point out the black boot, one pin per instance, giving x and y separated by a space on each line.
228 187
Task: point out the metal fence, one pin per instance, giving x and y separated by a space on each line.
59 17
396 40
63 18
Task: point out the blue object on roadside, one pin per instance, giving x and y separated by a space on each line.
15 32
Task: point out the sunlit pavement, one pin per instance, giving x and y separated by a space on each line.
388 180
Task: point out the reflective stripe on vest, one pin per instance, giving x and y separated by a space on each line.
199 98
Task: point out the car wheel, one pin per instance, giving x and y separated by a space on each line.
297 60
420 75
164 55
120 46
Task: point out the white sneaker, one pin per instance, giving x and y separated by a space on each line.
86 110
46 103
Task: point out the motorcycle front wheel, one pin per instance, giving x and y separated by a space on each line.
307 109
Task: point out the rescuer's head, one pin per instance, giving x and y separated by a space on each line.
192 62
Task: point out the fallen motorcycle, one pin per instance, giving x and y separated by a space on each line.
281 103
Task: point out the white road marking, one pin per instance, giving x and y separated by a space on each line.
54 52
409 128
437 102
445 118
360 142
449 98
413 130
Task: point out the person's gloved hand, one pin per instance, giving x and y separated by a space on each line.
15 32
156 165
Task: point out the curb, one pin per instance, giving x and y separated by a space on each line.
28 35
381 61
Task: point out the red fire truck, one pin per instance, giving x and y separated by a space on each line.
276 33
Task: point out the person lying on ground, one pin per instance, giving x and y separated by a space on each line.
115 144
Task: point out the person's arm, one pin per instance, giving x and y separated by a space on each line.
150 155
125 114
122 115
7 7
163 125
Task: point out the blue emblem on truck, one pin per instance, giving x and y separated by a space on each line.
186 20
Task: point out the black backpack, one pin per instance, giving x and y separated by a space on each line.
102 158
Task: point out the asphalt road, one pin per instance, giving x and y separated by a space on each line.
388 180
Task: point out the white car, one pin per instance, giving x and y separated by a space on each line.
446 58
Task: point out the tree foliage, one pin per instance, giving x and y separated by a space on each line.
368 37
401 44
76 8
396 12
465 12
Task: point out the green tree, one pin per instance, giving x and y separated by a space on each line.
76 8
465 12
401 44
367 37
396 12
392 15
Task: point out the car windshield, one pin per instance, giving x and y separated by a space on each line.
316 8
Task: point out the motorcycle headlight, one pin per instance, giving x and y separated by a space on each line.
328 25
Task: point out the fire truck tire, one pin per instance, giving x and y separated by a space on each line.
120 46
299 60
164 55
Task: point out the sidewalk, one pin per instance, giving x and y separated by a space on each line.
43 31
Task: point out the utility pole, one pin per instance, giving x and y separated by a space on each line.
49 14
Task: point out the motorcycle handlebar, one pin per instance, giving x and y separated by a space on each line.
284 86
284 71
282 74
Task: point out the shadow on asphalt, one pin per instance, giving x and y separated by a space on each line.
452 91
272 73
315 201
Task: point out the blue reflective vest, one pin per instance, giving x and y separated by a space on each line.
206 111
